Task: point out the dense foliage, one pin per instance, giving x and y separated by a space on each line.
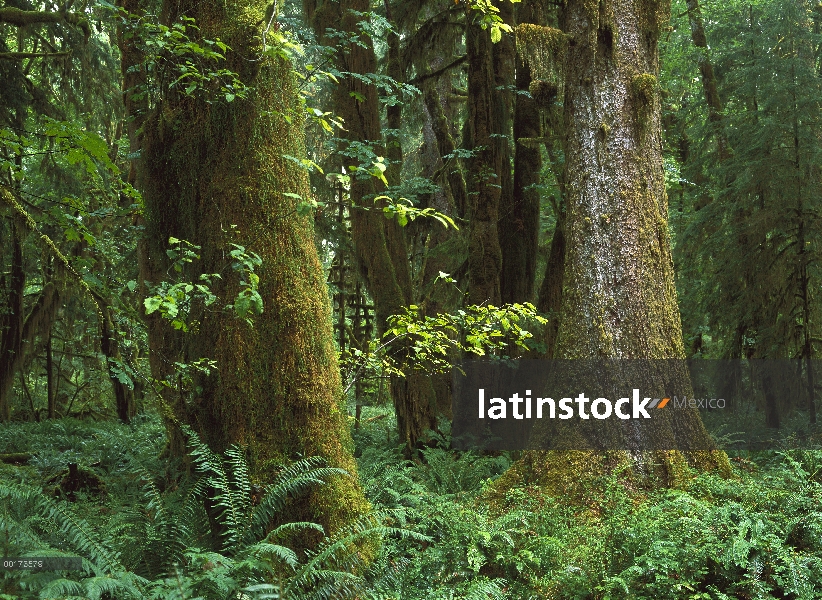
446 532
240 254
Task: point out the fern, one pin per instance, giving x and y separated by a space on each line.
330 570
293 480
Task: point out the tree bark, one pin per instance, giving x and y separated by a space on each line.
619 298
208 166
486 166
446 146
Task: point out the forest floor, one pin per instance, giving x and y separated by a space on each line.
757 534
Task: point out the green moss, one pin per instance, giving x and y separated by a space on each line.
654 15
208 166
592 12
644 88
542 48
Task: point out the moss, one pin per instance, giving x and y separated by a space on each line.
592 12
542 48
207 167
644 88
543 92
576 476
654 16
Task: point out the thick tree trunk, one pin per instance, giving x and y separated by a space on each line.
207 167
619 297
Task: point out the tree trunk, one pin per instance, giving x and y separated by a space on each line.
550 292
486 166
11 320
110 348
446 146
519 221
208 166
618 298
706 69
379 244
18 335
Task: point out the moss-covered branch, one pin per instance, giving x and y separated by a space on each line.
22 55
21 18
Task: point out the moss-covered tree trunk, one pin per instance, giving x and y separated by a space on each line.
619 299
208 166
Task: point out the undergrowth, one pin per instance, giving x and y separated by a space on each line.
143 535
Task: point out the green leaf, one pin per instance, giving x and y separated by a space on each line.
496 34
152 304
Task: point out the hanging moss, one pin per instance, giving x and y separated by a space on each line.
543 48
543 92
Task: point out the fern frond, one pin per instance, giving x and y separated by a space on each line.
267 550
340 555
293 480
293 527
227 502
79 533
63 588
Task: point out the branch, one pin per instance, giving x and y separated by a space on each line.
21 18
22 55
438 72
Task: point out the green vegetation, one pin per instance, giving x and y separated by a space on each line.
447 531
243 245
